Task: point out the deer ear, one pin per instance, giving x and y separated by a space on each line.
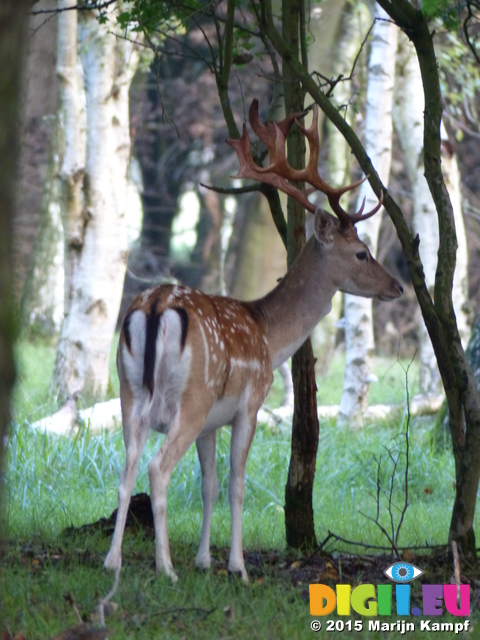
325 226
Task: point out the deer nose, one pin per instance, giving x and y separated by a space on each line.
395 291
398 286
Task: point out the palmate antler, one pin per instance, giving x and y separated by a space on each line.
278 173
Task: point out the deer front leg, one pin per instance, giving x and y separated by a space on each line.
206 454
176 443
134 442
243 429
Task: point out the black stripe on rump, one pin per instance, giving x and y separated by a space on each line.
126 331
153 320
183 315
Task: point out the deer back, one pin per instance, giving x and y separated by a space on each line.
180 345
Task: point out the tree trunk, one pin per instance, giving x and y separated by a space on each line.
333 30
72 131
206 271
42 304
13 40
324 29
260 259
408 117
299 522
161 158
451 173
348 42
87 332
359 339
458 380
347 45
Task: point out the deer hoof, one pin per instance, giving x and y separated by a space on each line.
113 561
203 563
239 574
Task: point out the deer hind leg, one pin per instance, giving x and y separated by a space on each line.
178 439
243 430
206 446
135 435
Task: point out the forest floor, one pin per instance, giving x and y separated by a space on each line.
60 493
209 604
315 567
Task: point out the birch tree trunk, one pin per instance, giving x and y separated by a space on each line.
408 117
348 43
72 124
98 273
378 134
451 173
327 25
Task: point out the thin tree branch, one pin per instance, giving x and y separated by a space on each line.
76 7
222 74
366 545
470 44
233 191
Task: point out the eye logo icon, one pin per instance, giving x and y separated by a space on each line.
403 572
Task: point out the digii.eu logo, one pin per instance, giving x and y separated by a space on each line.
392 599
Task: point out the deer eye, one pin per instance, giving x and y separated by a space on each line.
362 255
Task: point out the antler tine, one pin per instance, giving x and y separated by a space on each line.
344 217
333 193
273 135
278 173
243 149
248 169
267 132
363 216
311 135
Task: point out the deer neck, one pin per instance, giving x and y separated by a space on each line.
292 310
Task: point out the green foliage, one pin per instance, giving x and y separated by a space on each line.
449 11
149 14
459 71
459 76
165 25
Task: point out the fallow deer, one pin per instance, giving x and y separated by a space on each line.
190 363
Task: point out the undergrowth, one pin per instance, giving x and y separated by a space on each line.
53 483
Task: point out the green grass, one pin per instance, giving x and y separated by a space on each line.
56 482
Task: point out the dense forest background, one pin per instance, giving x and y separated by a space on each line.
178 142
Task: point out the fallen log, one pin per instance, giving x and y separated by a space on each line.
108 415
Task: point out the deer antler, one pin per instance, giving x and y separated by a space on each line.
279 172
